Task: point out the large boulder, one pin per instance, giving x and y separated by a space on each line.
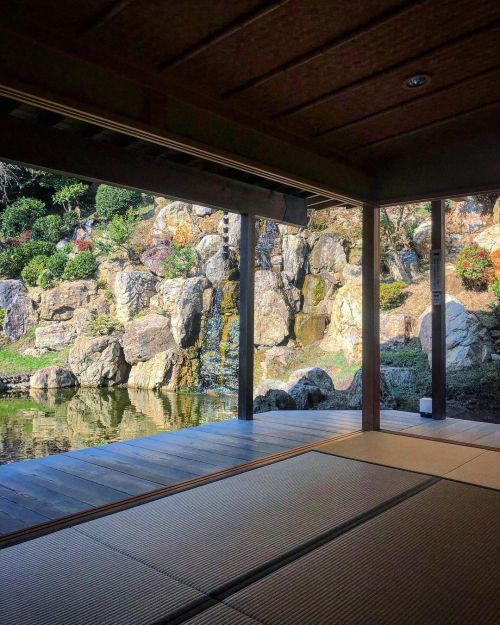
309 387
20 317
9 290
352 274
317 292
489 238
171 217
294 251
328 255
59 303
183 299
55 336
309 328
468 342
133 291
53 377
219 268
98 361
355 393
209 245
395 327
344 332
154 258
154 373
422 239
274 399
272 311
145 336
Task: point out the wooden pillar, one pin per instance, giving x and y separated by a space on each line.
246 344
371 318
437 260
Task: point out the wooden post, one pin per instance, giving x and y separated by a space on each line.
246 344
371 318
438 310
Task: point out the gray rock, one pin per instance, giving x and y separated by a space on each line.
98 361
20 317
422 239
328 255
9 290
55 336
352 274
294 256
201 211
153 374
53 377
154 258
133 291
59 303
355 396
145 337
272 310
209 245
314 376
309 387
218 268
273 400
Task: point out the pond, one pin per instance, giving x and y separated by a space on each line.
43 423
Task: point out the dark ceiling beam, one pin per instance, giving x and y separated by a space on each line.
403 105
326 48
263 9
435 124
324 204
421 56
106 15
31 144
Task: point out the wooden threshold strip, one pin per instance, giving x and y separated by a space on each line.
87 515
437 439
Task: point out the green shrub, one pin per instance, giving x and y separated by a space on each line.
119 231
103 325
2 317
392 294
68 195
19 215
495 288
69 221
34 269
13 260
474 267
110 201
180 262
81 266
47 228
57 263
45 279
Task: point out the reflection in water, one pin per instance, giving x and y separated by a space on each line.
48 422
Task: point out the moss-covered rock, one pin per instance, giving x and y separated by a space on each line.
309 328
313 290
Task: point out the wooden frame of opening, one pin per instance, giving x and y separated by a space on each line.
438 259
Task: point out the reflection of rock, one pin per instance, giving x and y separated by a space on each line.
133 290
344 331
59 303
272 312
55 336
98 361
154 373
467 341
20 317
273 400
146 336
52 377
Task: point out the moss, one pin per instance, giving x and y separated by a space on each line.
309 328
314 289
230 295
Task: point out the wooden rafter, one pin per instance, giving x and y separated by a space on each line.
106 15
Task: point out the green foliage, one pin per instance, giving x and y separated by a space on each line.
2 317
118 233
180 262
69 221
57 263
111 201
495 289
45 279
474 267
68 195
109 296
103 325
19 215
13 259
82 266
47 228
392 294
33 270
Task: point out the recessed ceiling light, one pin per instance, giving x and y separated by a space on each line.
416 81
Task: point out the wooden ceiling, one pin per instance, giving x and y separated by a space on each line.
327 76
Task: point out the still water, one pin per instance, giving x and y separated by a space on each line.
42 423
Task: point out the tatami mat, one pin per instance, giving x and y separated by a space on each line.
432 559
221 615
405 452
66 578
211 536
483 470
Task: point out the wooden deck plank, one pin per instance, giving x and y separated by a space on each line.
14 517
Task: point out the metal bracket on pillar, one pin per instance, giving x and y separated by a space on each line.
371 318
246 341
437 259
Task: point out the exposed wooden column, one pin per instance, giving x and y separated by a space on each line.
371 317
246 345
438 311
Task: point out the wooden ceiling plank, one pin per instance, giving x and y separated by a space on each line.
330 95
325 48
324 204
262 10
406 103
106 15
434 124
32 144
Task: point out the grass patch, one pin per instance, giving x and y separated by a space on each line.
14 363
